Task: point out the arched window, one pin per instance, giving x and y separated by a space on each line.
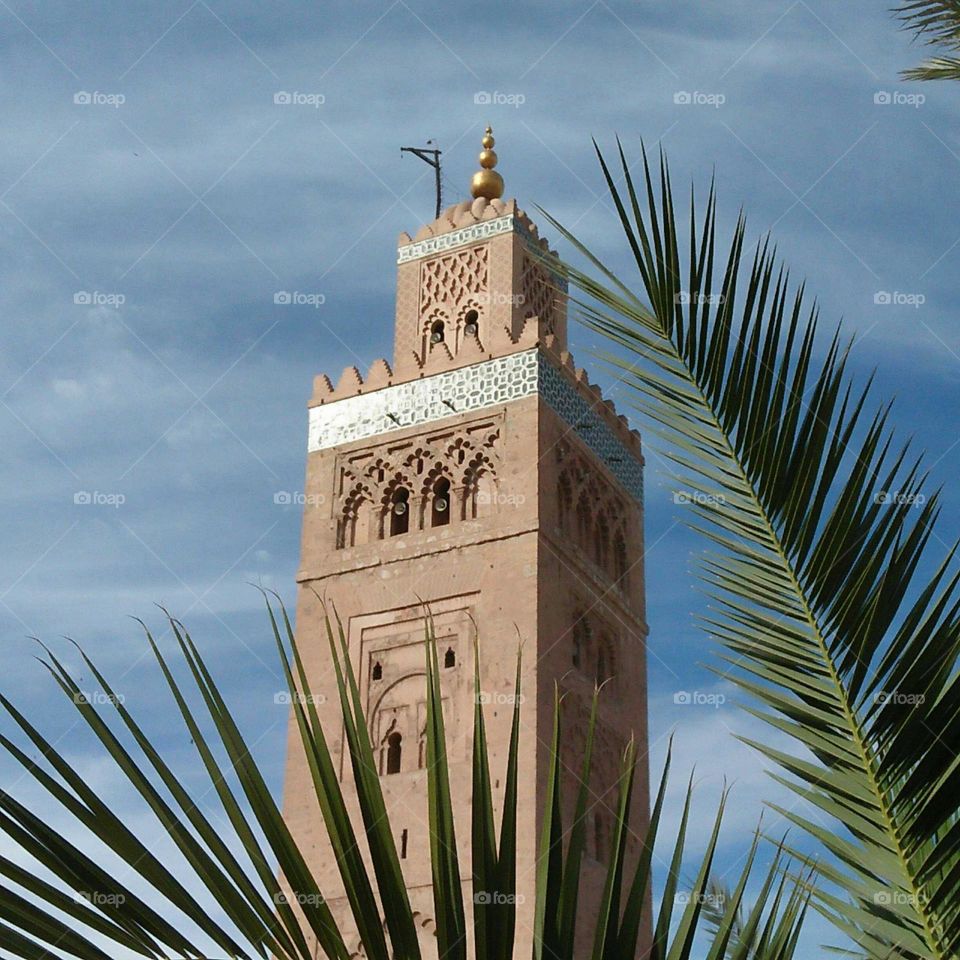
403 844
471 321
620 561
354 522
601 537
399 511
479 492
437 332
564 504
440 503
449 659
422 749
394 749
584 524
377 672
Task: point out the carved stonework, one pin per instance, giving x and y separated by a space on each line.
592 514
448 281
465 459
538 293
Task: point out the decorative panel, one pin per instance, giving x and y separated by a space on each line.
476 387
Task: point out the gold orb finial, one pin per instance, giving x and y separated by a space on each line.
486 182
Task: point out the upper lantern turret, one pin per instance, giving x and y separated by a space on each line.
486 182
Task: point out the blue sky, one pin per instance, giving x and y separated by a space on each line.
145 233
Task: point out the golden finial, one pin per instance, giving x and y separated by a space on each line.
487 182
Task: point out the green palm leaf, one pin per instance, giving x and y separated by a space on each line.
817 525
274 907
938 23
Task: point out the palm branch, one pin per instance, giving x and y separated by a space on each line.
937 22
816 525
86 911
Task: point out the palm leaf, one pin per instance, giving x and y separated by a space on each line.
85 912
937 22
817 525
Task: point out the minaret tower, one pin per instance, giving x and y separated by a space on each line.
482 473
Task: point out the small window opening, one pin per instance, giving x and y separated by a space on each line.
403 845
449 659
394 748
470 323
440 505
436 332
377 672
400 512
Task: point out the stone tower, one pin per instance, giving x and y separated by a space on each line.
482 473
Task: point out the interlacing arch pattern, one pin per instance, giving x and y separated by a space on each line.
593 515
430 484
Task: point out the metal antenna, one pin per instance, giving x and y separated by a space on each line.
430 156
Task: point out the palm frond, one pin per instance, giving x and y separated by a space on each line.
936 22
817 524
84 911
